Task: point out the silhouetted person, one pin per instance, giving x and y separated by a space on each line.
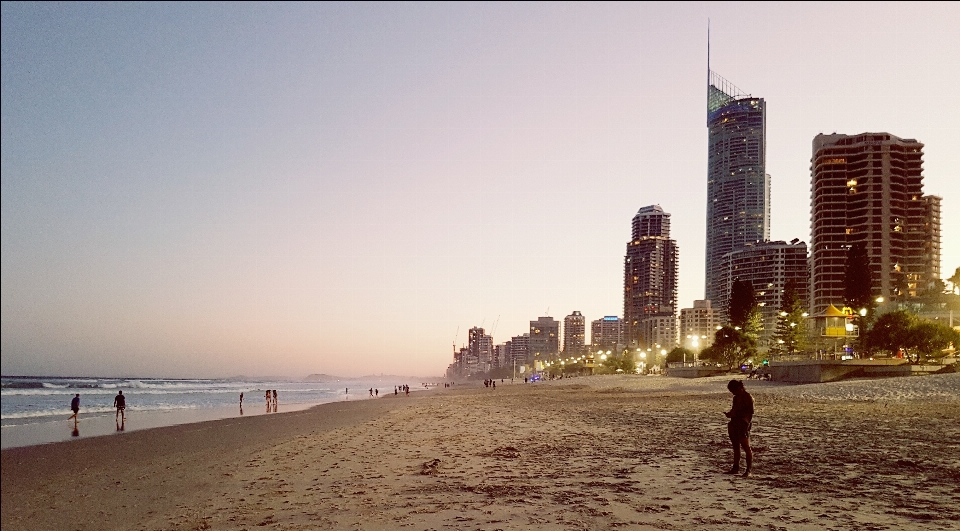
75 407
741 420
120 402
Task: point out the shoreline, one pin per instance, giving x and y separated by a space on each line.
104 424
31 432
577 453
115 482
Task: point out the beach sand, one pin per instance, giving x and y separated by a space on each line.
581 453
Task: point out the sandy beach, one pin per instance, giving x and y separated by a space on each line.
582 453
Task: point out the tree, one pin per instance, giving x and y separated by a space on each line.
857 280
791 334
919 339
742 302
955 282
890 332
679 354
743 310
731 347
928 340
622 361
858 288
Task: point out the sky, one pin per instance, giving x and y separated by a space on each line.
210 190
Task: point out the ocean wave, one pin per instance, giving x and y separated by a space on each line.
65 412
67 391
21 385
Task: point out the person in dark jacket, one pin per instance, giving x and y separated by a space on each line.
120 402
75 407
741 420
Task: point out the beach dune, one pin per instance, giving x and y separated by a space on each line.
582 453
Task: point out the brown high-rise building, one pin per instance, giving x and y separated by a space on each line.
650 270
574 334
544 339
869 188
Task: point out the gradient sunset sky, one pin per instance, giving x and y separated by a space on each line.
207 190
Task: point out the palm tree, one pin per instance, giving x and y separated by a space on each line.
955 282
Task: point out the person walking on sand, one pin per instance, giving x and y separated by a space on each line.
120 402
75 407
741 420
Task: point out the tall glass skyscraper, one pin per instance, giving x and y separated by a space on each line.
738 187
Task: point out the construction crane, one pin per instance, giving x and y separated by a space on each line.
495 323
455 336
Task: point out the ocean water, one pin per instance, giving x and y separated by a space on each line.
33 410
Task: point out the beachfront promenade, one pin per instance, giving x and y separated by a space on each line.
579 453
813 370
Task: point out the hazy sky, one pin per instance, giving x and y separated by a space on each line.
203 190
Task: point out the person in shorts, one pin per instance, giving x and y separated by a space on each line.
741 420
120 402
75 407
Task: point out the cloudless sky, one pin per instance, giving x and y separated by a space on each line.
203 190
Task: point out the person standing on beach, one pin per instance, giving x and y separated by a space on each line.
75 407
120 402
741 420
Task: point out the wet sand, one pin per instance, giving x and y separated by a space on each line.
583 453
95 425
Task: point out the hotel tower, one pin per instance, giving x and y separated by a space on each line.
868 188
738 187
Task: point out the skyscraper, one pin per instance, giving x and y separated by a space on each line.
606 333
480 348
698 325
574 334
738 187
544 339
868 188
519 348
650 270
768 267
